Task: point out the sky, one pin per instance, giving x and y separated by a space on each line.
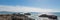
34 5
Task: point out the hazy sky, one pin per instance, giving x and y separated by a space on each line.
43 4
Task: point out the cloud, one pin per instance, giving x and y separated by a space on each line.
23 9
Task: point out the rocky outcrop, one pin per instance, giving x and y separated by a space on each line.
14 17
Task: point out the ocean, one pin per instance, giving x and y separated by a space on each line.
34 15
